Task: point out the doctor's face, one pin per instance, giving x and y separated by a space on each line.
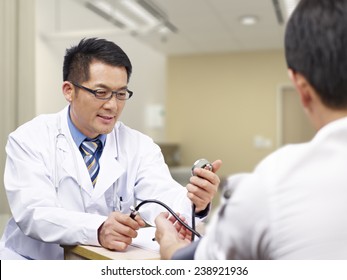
90 115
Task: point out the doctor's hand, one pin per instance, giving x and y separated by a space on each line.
117 232
170 235
203 186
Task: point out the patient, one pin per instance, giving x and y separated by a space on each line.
294 204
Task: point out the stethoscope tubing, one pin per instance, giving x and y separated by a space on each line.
171 212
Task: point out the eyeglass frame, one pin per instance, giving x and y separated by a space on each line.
95 91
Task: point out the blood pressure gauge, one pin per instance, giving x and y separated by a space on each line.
202 163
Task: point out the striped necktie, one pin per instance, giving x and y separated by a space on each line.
89 150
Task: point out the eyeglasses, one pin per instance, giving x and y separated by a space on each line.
104 94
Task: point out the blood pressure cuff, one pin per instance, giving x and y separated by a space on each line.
186 253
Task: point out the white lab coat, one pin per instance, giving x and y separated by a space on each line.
42 176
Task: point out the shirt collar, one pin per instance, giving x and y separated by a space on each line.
78 136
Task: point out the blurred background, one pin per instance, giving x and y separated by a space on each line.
209 76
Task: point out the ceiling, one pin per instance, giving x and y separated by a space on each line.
212 26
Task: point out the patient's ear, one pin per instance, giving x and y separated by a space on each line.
302 86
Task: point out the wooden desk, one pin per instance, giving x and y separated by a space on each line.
139 250
84 252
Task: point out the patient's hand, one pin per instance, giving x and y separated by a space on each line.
170 235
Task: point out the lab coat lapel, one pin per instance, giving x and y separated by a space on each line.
72 161
110 168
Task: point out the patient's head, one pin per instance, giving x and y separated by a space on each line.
316 47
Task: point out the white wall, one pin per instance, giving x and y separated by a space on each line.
17 56
55 27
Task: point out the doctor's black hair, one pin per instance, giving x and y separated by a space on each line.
78 58
316 47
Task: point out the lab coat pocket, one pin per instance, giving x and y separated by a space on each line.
125 203
116 202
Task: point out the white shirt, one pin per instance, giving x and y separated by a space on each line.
293 206
42 176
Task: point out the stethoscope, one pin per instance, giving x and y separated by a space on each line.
116 201
200 163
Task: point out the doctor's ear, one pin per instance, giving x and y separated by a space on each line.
68 90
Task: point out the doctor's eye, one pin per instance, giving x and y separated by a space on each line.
122 94
102 93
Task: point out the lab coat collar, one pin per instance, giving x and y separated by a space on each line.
110 168
73 163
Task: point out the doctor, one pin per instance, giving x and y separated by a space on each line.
55 199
